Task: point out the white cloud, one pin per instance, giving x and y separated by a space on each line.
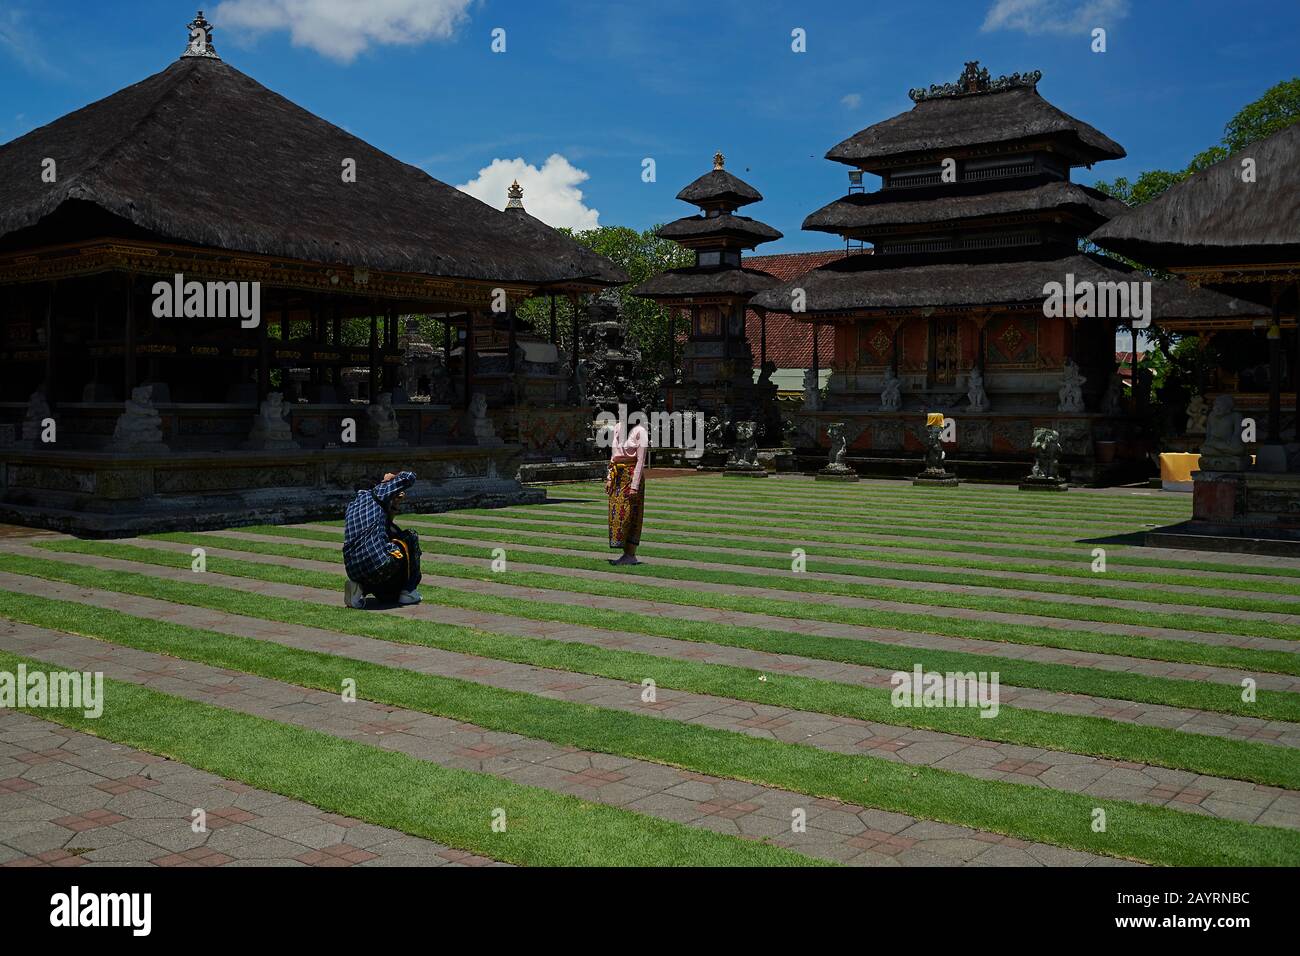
342 29
1053 16
851 100
551 193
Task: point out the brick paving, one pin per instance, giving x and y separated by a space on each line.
68 799
834 831
1057 770
1049 655
842 601
454 523
645 787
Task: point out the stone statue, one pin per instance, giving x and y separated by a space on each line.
812 396
382 420
1071 391
746 446
745 454
271 429
934 453
1112 401
839 444
38 409
979 399
1047 453
139 427
765 376
476 427
1197 411
715 433
891 394
837 468
1223 449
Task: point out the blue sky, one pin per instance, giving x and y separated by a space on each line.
605 84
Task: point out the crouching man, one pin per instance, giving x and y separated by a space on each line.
381 559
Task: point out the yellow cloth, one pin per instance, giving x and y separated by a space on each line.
934 418
1178 466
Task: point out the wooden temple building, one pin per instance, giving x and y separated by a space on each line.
975 217
1235 227
716 366
295 248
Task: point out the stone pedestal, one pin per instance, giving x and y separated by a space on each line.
745 469
935 479
1032 483
837 472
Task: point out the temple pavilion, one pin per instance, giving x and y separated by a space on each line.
717 360
1235 227
167 412
975 216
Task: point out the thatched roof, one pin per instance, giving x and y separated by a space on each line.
865 283
1214 215
202 154
945 123
595 269
704 281
719 186
701 227
893 208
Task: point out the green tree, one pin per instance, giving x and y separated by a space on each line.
1277 109
641 255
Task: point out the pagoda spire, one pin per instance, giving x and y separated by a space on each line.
719 160
515 196
200 39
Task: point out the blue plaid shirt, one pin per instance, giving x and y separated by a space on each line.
365 528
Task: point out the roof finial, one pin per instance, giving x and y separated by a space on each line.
718 160
975 79
200 39
515 196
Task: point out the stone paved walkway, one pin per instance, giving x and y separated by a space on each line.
835 830
69 799
453 524
1051 655
1055 770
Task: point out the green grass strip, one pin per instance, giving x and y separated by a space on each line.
1040 508
684 500
1064 678
800 584
920 526
692 550
1147 833
1116 554
1010 500
390 789
1217 756
1146 648
711 544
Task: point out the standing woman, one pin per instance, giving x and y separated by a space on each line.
625 485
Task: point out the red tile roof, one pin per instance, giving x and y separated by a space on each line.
789 343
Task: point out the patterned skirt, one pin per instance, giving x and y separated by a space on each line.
625 512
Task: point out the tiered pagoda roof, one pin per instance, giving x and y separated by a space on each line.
871 214
976 112
718 237
976 208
